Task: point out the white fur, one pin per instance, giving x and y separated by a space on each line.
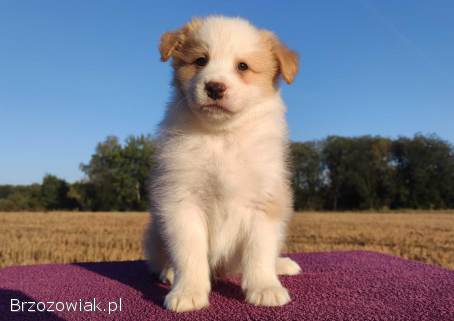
214 176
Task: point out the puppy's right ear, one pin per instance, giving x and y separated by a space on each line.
173 41
169 42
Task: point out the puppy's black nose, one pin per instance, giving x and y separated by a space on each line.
215 90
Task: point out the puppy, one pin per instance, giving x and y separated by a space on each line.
220 189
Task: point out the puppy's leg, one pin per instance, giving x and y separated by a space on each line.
259 278
187 238
155 254
286 266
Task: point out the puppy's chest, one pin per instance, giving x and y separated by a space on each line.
228 171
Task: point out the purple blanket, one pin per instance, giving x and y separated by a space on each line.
333 286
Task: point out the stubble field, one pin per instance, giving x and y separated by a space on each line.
63 237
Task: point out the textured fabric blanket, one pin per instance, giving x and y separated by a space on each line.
333 286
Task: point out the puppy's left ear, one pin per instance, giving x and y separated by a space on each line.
287 59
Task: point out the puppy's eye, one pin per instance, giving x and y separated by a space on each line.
242 66
201 61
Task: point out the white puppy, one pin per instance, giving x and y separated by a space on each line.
220 188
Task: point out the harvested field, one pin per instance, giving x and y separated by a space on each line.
30 238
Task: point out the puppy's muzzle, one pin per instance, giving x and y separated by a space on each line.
215 90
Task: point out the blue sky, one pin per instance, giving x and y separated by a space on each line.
73 72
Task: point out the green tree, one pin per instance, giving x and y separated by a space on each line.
424 172
82 195
20 198
307 180
54 193
358 172
118 174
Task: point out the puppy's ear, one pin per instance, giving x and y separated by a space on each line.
287 59
172 41
169 41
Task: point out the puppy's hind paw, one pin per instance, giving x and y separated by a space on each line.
183 301
270 296
286 266
167 276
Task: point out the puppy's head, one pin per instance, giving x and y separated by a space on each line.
223 66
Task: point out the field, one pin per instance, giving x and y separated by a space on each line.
29 238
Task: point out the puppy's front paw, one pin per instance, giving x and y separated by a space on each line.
186 300
286 266
269 296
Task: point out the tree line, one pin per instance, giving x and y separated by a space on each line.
336 173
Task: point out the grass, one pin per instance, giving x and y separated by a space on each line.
62 237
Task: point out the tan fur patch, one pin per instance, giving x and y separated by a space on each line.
184 50
184 73
262 70
183 60
189 51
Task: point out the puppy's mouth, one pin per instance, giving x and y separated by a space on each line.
215 108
